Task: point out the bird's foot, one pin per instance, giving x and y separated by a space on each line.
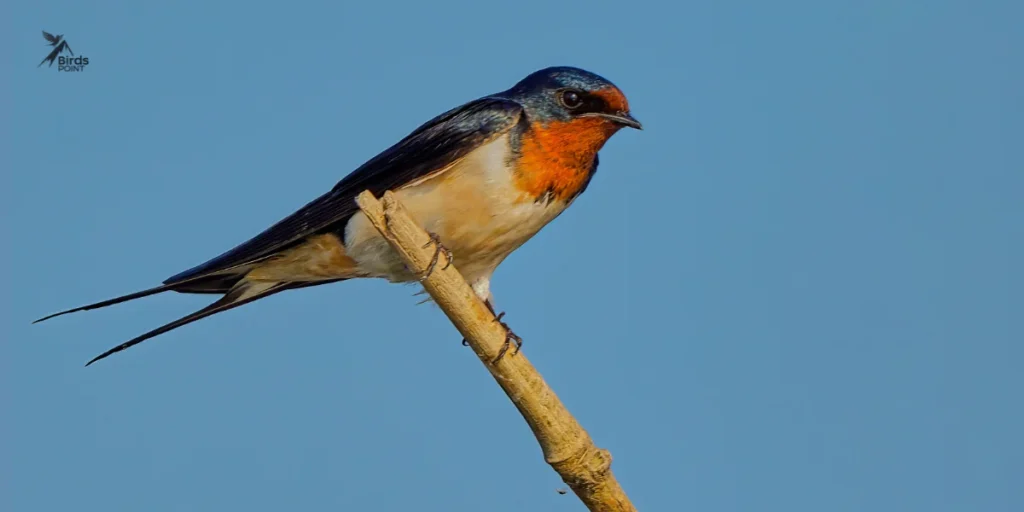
510 337
438 249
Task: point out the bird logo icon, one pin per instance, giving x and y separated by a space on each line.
59 44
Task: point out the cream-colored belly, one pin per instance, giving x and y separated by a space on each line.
473 207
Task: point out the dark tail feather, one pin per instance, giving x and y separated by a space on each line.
111 302
204 284
244 293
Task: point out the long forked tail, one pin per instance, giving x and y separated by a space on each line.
243 293
111 302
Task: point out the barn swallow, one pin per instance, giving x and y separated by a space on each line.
482 179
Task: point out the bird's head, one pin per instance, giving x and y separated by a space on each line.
566 94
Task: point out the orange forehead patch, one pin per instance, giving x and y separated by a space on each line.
614 98
558 158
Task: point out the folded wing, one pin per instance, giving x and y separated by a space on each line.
431 148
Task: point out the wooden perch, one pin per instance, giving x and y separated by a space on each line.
566 446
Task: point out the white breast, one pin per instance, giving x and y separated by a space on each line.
473 207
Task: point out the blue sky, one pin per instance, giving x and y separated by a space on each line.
799 288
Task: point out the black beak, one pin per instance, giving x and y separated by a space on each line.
623 118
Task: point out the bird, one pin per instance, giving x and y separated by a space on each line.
59 44
481 179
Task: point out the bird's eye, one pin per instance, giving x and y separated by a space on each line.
571 99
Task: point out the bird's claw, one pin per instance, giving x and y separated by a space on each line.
509 335
438 249
509 338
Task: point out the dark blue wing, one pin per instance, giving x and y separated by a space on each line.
428 149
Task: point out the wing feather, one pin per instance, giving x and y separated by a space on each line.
430 149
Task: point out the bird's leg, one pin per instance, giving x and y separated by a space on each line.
509 335
438 249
